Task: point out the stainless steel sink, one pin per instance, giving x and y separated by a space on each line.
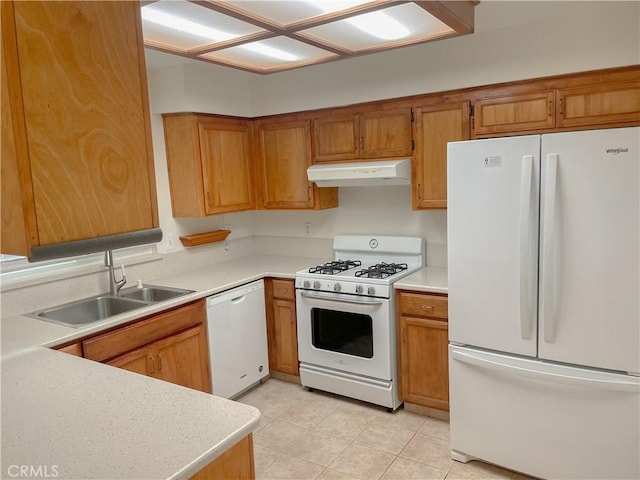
153 293
87 310
101 307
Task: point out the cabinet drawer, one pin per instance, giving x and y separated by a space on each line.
284 289
116 342
423 305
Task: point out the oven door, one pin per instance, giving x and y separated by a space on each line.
344 332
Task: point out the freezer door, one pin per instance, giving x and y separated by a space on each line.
492 241
589 269
542 419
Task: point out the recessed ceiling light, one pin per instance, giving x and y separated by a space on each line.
270 51
177 23
377 24
380 25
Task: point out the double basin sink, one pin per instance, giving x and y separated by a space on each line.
101 307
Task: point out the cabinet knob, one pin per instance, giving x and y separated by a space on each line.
159 362
153 365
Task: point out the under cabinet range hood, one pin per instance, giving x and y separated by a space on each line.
360 174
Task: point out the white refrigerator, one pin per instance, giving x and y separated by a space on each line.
544 319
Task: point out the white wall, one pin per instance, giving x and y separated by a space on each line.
513 41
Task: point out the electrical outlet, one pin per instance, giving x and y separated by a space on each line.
307 228
169 243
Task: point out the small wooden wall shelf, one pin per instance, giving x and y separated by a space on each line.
203 238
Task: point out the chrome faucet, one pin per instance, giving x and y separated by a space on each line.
114 285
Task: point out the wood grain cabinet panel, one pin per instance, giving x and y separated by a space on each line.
183 359
237 463
284 152
282 328
176 359
80 117
137 361
336 138
610 104
385 134
423 349
208 158
532 111
360 136
435 126
170 346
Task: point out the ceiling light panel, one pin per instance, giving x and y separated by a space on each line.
401 24
287 12
183 25
274 53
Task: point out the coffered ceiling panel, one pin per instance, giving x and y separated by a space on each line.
269 36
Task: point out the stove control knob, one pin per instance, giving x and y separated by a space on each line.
336 287
359 289
316 285
306 284
371 291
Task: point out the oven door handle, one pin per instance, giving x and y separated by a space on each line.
335 298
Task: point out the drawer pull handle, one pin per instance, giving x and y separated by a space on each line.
426 307
159 362
153 365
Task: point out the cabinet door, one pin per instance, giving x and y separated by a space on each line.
611 104
336 138
385 134
434 127
224 150
137 361
184 359
84 104
13 232
285 153
286 336
534 111
424 364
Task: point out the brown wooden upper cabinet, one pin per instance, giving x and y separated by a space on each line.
284 154
434 126
209 164
613 103
514 113
360 136
77 161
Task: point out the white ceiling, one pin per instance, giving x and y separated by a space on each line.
274 35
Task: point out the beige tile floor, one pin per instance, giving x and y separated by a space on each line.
306 435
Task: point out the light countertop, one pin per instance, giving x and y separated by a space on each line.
90 420
427 279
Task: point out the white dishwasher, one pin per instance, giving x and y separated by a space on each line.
237 330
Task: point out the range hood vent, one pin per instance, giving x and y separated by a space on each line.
360 174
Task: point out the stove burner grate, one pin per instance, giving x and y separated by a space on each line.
381 270
335 266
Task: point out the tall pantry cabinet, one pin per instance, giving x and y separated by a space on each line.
77 161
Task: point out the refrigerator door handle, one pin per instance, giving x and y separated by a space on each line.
629 384
525 254
548 319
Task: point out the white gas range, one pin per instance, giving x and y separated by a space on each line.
346 316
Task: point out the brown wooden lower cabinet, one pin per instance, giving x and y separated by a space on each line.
170 346
423 349
282 329
176 359
235 464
